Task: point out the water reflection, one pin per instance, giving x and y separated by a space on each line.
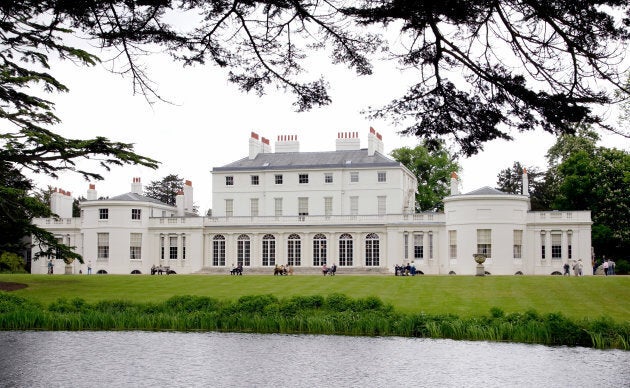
148 359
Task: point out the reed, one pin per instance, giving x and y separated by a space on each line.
315 314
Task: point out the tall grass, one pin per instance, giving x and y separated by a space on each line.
315 314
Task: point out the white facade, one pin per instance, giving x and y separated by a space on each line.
352 207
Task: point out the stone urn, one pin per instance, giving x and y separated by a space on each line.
480 258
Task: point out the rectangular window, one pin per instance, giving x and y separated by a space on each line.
328 177
135 246
382 176
372 253
319 250
556 245
136 214
570 244
218 251
484 242
328 206
278 207
162 243
382 201
229 180
183 247
172 247
103 246
303 178
354 206
254 180
406 245
253 207
294 251
354 177
430 245
278 178
243 252
518 244
268 251
229 207
418 246
103 214
302 207
452 244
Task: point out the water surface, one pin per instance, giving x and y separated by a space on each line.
160 359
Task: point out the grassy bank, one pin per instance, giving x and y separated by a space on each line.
315 314
587 311
465 296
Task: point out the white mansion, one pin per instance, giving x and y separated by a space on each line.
353 207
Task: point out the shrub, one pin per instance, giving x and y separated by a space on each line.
11 263
496 312
63 305
255 303
190 303
339 302
10 303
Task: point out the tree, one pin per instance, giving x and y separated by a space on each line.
165 189
432 168
599 182
510 180
483 67
17 209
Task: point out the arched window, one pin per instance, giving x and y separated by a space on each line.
218 250
294 250
319 250
243 250
101 272
268 250
345 250
372 250
136 272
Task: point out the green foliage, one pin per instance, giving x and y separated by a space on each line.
510 180
11 263
597 179
310 315
583 176
10 303
432 166
189 303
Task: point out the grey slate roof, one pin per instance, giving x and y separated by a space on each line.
137 198
304 160
486 190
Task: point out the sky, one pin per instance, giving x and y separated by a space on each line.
208 123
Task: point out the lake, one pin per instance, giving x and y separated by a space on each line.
174 359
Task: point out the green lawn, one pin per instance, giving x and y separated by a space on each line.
465 296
